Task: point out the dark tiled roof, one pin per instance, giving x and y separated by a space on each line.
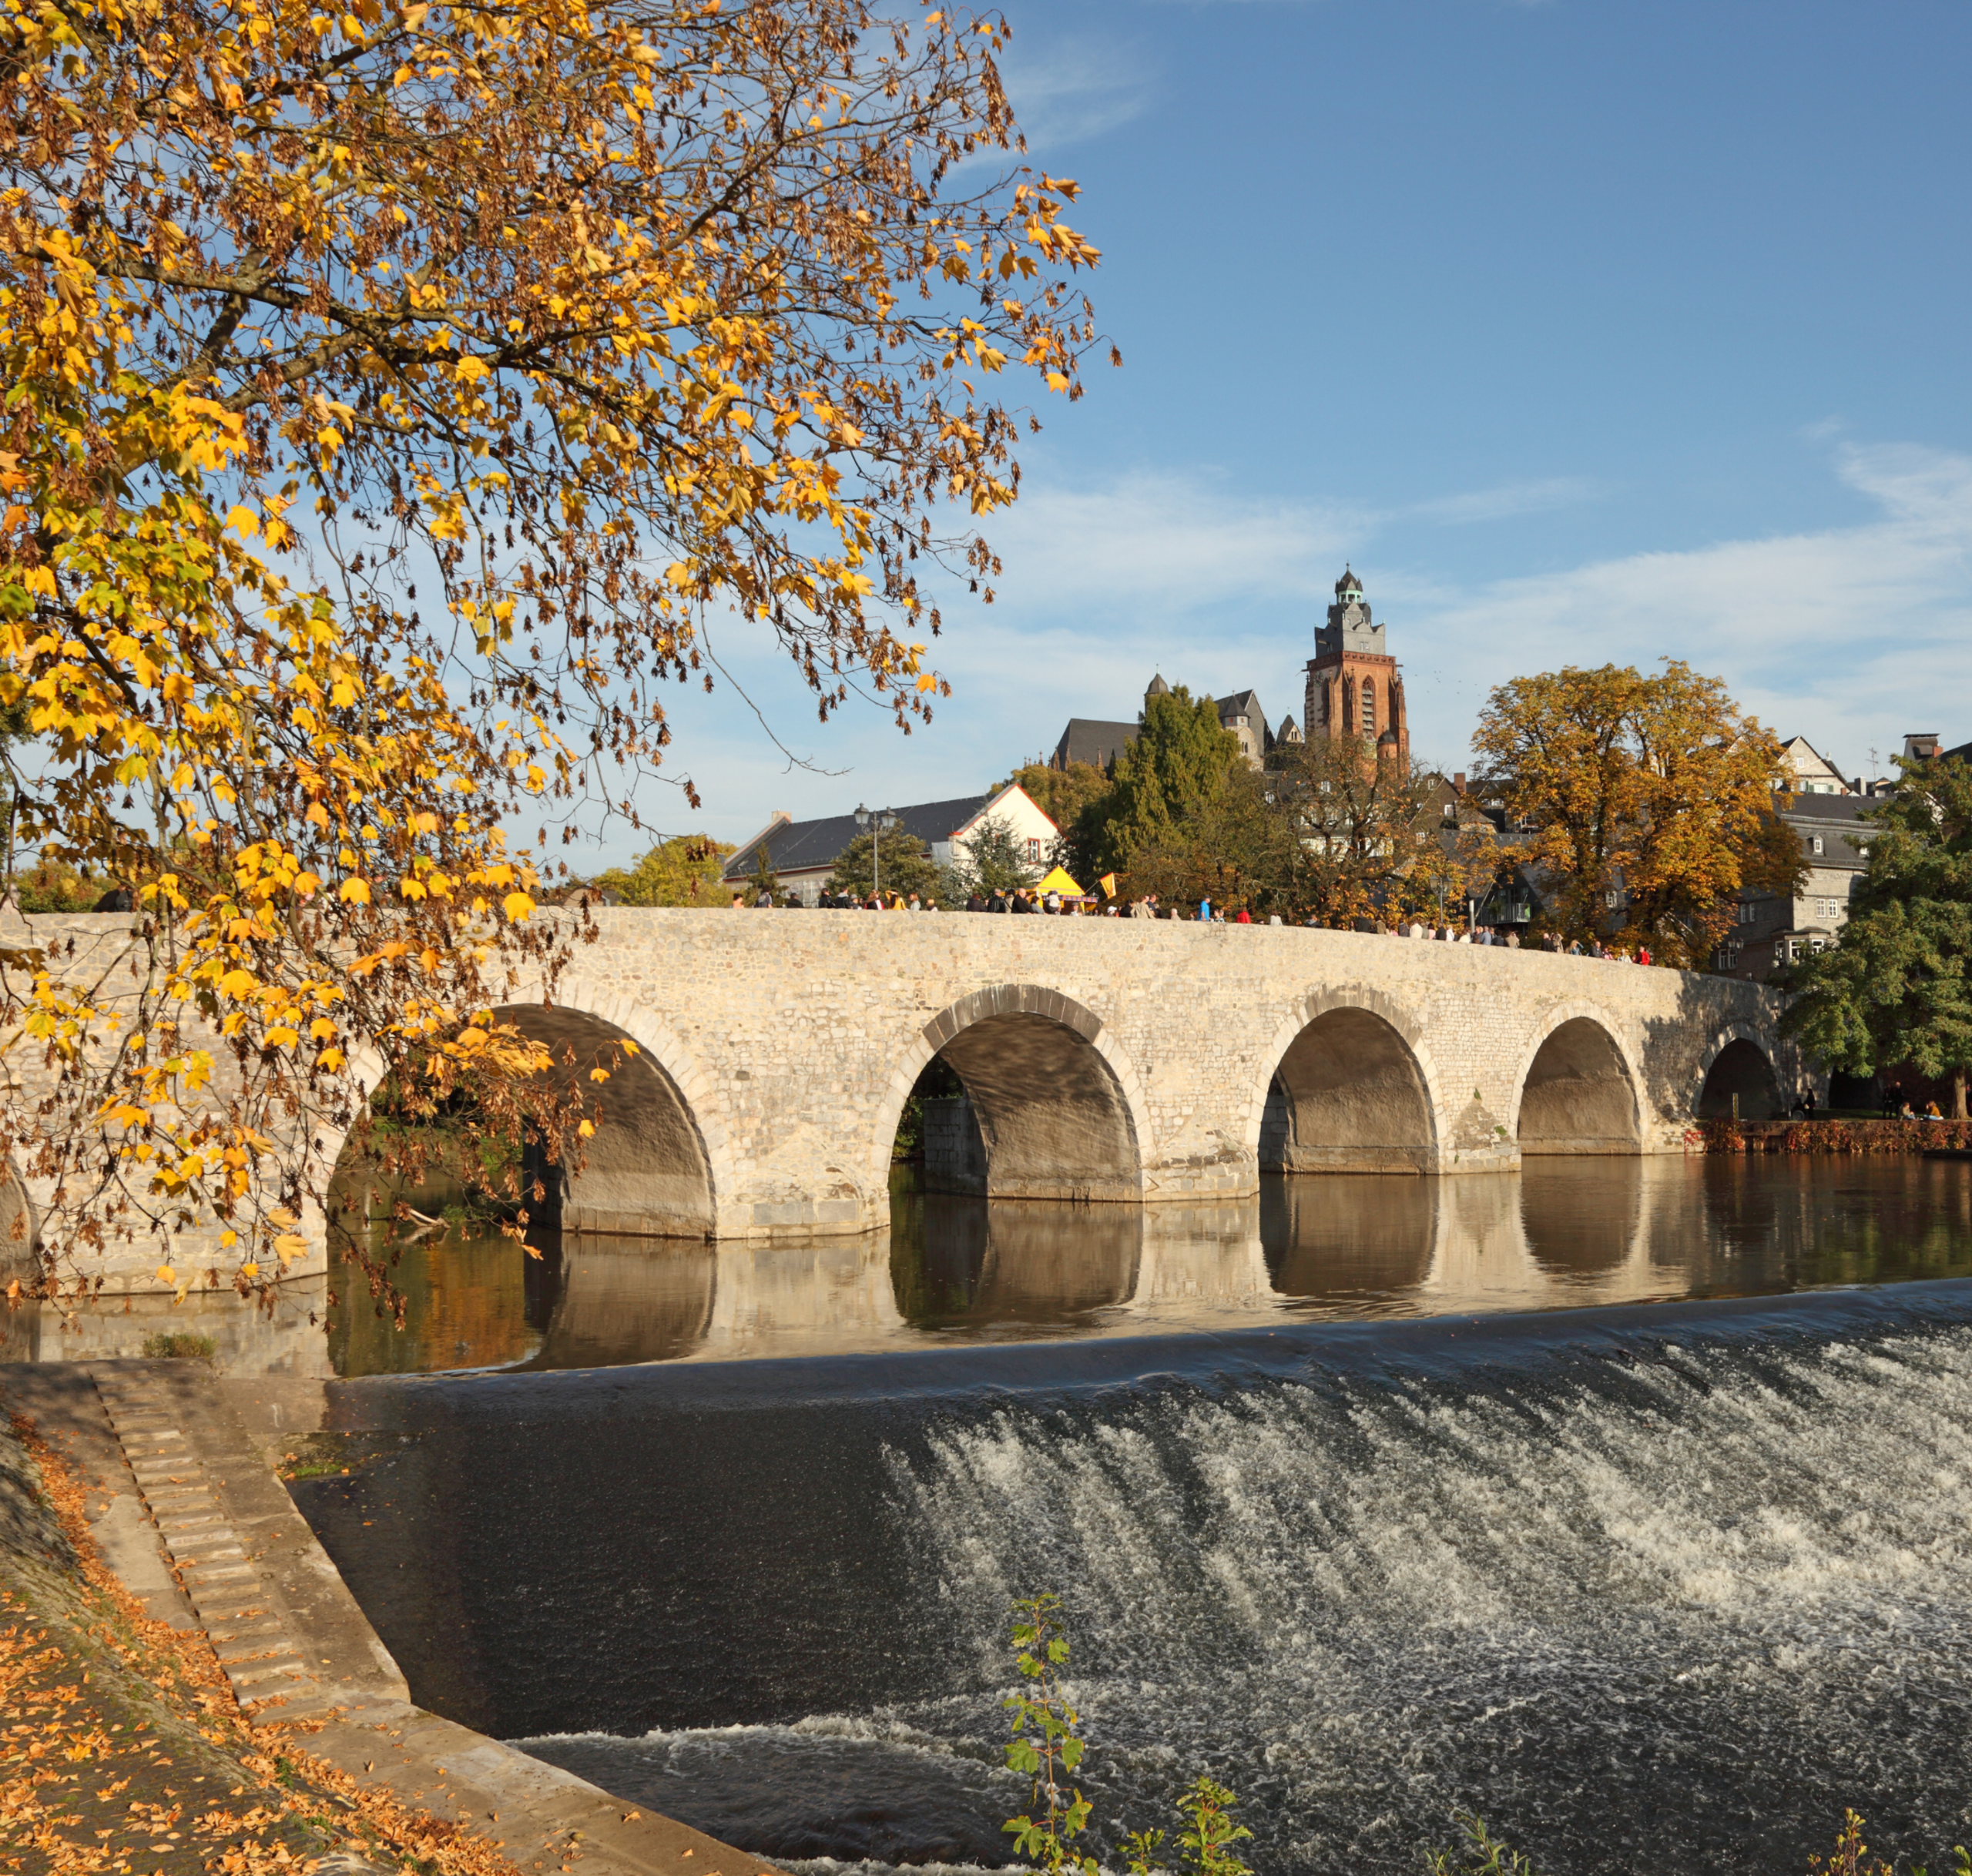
1828 807
797 846
1087 739
1242 703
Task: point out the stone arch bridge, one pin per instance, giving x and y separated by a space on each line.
1132 1061
1112 1061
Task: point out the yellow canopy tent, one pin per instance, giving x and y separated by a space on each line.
1058 882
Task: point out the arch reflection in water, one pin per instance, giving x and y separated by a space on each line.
610 1300
1583 1219
1565 1232
1362 1236
961 1263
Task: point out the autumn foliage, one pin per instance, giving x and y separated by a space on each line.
603 326
1647 803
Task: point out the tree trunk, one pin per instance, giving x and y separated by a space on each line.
1958 1094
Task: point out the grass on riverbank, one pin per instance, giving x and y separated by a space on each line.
123 1751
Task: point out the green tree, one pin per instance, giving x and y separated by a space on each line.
907 867
1896 988
993 859
1328 832
681 871
1180 760
763 879
54 886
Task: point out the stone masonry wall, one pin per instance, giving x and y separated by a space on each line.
794 1037
1106 1059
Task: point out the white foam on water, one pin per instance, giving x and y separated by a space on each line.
1670 1610
1368 1603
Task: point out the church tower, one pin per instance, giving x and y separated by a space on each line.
1354 687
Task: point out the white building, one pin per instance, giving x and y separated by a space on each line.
802 853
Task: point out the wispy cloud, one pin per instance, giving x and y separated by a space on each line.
1072 89
1842 633
1851 635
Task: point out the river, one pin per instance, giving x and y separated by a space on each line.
1635 1525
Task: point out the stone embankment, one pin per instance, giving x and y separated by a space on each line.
179 1501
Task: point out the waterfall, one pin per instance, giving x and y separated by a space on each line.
1645 1613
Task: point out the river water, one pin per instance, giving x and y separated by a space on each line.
1654 1584
1565 1234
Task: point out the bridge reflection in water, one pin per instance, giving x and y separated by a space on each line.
1563 1233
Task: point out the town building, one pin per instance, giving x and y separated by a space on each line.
802 854
1354 687
1771 931
1098 741
1810 772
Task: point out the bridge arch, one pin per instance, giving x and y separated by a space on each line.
1061 1109
1347 1085
1578 1090
1738 1061
660 1165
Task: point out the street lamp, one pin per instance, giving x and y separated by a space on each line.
885 821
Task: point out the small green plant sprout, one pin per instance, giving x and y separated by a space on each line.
1481 1855
1206 1845
1044 1746
1852 1855
1144 1848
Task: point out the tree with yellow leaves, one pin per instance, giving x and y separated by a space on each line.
601 323
1647 802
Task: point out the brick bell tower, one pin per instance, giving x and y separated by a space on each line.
1354 687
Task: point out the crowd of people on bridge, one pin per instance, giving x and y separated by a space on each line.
1021 899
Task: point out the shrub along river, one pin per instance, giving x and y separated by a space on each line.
1629 1504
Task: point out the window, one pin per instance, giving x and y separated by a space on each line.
1814 845
1034 850
1369 707
1612 899
1745 912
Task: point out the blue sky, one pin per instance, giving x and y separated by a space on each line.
1586 330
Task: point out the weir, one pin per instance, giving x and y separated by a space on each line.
1608 1568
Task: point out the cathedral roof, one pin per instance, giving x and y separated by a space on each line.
1348 582
1158 687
